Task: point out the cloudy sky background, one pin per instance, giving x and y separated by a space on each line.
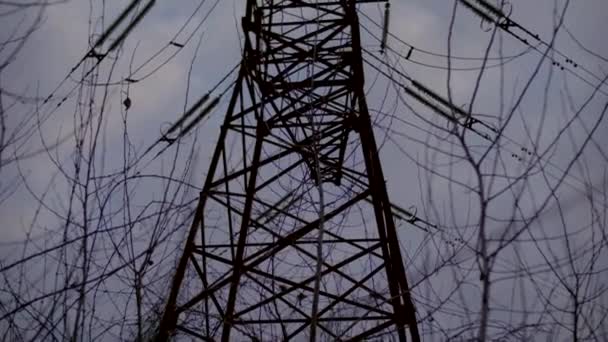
63 38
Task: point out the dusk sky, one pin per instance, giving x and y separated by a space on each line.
552 113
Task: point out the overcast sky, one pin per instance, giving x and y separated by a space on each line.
63 37
158 99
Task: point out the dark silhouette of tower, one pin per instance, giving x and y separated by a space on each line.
296 161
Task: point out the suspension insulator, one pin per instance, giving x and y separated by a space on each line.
387 13
189 113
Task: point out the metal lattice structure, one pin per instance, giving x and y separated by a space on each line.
297 128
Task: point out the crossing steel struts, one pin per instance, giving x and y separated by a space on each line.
297 118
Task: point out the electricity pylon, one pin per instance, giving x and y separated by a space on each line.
296 156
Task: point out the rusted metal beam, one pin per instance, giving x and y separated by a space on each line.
301 85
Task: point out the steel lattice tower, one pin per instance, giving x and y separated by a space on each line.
297 127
